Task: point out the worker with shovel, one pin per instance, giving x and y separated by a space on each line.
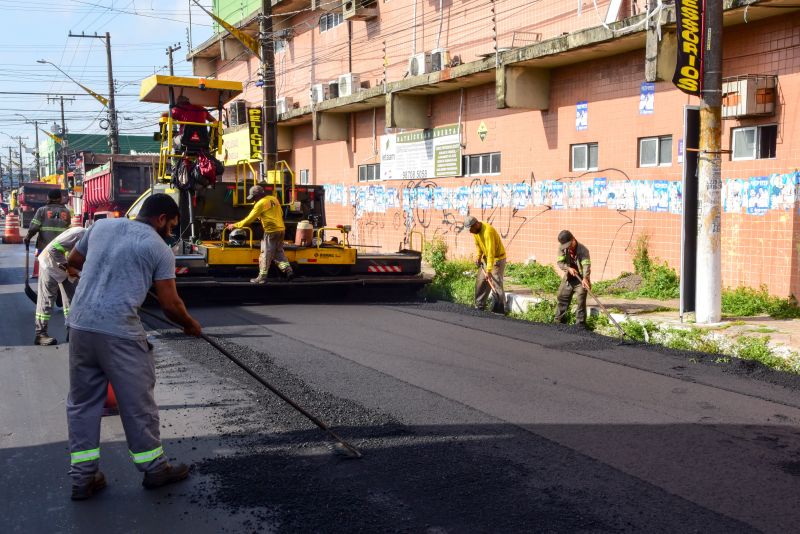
573 259
489 283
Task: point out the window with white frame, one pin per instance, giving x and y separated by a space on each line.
655 151
754 142
330 20
584 157
369 173
304 177
479 164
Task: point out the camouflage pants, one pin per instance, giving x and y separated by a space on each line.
272 250
570 285
46 299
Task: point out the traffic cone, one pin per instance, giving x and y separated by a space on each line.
35 273
110 407
11 234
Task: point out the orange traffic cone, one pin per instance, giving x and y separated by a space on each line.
11 234
110 407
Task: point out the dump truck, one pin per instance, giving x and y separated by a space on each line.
33 195
111 183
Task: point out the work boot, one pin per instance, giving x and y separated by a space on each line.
44 340
168 474
84 491
261 279
289 275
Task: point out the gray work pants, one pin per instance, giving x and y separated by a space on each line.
46 299
484 291
570 285
272 250
94 360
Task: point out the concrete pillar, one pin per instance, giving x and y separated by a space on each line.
285 138
330 126
522 87
203 66
407 111
231 48
660 56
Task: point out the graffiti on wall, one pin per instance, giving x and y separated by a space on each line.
437 211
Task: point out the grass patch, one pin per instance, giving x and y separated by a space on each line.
535 276
758 349
541 312
746 302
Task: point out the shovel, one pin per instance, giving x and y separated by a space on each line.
28 291
608 314
489 278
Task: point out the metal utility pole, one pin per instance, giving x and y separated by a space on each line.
10 169
36 151
708 300
170 50
269 148
21 176
64 142
112 110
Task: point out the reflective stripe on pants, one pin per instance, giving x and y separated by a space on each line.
94 360
46 299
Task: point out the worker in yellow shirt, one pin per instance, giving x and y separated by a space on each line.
268 209
489 284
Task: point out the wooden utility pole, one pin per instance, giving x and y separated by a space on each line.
269 149
113 126
708 300
170 50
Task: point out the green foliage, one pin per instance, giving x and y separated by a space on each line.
641 256
694 339
758 349
434 253
746 302
660 282
541 312
535 276
454 281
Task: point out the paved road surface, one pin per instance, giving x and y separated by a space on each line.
468 423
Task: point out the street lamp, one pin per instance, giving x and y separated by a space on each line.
100 98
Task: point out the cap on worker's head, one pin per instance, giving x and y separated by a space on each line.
565 237
54 194
469 221
255 191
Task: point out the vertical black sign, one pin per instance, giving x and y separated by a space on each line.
691 142
255 127
691 30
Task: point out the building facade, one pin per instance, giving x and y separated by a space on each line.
534 116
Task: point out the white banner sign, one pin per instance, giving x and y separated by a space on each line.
421 154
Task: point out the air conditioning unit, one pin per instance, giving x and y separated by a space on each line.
440 59
237 113
749 95
319 93
359 10
284 104
419 64
349 83
333 88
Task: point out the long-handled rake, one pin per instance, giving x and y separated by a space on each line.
348 449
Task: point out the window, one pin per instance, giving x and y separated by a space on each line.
482 164
304 177
329 21
369 173
280 45
754 142
655 151
584 157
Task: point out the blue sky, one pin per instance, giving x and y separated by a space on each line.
141 31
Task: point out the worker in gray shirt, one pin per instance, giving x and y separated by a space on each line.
119 260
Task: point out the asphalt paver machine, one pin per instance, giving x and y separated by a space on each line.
207 255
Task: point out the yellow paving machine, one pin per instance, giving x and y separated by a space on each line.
207 255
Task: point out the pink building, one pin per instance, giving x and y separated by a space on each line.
534 116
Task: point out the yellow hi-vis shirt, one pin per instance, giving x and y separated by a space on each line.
269 210
489 245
